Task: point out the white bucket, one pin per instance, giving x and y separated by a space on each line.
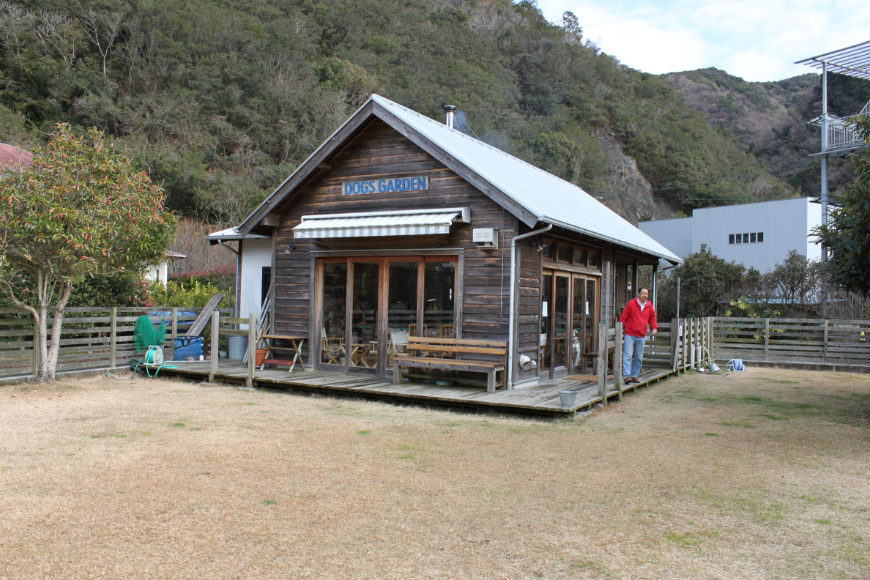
568 398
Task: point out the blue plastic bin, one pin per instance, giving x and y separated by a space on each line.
187 346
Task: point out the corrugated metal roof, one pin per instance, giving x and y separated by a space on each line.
549 198
426 222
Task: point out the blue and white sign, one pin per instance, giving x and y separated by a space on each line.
396 184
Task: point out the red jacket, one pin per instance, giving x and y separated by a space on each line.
635 321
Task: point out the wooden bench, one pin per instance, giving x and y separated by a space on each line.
438 347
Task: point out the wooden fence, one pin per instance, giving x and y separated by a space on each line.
801 340
675 347
91 338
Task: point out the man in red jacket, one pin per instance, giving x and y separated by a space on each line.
637 314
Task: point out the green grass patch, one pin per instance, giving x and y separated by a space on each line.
687 540
176 424
364 432
268 502
711 434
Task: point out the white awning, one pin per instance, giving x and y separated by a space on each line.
388 223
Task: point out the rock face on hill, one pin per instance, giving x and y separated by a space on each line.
770 119
635 201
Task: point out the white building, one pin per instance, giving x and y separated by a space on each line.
758 235
254 268
160 272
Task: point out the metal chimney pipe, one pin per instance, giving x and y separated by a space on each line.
448 110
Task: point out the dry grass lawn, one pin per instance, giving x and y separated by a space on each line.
764 474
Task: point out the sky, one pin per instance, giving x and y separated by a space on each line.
758 40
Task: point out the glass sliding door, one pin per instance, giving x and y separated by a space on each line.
438 308
368 307
590 324
363 346
333 314
546 338
578 315
560 326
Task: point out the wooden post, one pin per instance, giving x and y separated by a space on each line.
678 298
252 350
766 339
35 348
617 359
602 361
825 343
607 302
113 339
215 345
687 329
712 337
675 349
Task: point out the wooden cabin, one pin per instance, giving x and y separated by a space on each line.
402 224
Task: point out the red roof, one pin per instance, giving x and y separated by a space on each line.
10 155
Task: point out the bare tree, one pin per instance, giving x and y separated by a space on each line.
103 31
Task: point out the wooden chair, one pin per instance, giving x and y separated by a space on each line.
398 346
412 330
445 331
332 352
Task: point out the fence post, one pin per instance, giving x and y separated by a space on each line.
174 324
687 329
252 350
766 338
35 348
113 339
675 329
712 338
602 362
825 343
215 345
617 359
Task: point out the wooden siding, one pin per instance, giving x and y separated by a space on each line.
379 151
528 303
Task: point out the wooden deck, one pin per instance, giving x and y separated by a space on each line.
542 399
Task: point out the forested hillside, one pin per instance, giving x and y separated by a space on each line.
770 119
220 100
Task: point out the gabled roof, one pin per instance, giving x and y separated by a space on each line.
529 193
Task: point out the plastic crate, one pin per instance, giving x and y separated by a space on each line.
187 346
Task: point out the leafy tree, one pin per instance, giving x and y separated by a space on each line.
220 101
707 284
847 235
81 209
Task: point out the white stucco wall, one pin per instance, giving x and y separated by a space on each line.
786 225
256 255
159 272
675 234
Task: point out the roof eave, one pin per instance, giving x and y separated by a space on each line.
672 258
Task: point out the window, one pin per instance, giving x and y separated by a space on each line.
760 237
739 238
745 238
562 253
592 259
730 238
579 257
266 283
752 238
547 252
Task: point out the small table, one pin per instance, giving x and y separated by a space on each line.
296 344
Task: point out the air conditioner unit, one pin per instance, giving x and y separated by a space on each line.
485 238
